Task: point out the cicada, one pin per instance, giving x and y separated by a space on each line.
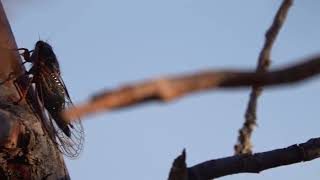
45 77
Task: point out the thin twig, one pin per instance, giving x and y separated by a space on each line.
166 89
244 144
255 163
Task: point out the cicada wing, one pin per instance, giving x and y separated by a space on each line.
71 144
42 113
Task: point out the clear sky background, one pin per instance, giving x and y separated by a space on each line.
103 44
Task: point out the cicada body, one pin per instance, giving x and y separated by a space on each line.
53 94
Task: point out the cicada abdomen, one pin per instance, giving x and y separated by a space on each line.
53 94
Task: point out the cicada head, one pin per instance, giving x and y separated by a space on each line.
43 54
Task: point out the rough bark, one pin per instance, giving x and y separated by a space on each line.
26 152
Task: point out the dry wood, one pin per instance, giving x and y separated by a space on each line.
247 163
244 144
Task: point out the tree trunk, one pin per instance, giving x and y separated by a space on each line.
26 150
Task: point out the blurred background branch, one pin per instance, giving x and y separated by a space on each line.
170 88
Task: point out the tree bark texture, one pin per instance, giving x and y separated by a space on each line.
26 151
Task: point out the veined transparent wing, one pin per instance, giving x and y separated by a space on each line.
55 97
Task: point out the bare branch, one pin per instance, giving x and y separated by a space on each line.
166 89
244 144
255 163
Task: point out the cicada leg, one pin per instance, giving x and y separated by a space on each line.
26 54
23 92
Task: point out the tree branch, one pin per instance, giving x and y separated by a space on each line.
255 163
166 89
244 144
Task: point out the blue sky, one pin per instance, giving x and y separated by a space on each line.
104 44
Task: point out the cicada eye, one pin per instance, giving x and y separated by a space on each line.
40 43
43 45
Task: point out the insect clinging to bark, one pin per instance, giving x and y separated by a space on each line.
45 75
